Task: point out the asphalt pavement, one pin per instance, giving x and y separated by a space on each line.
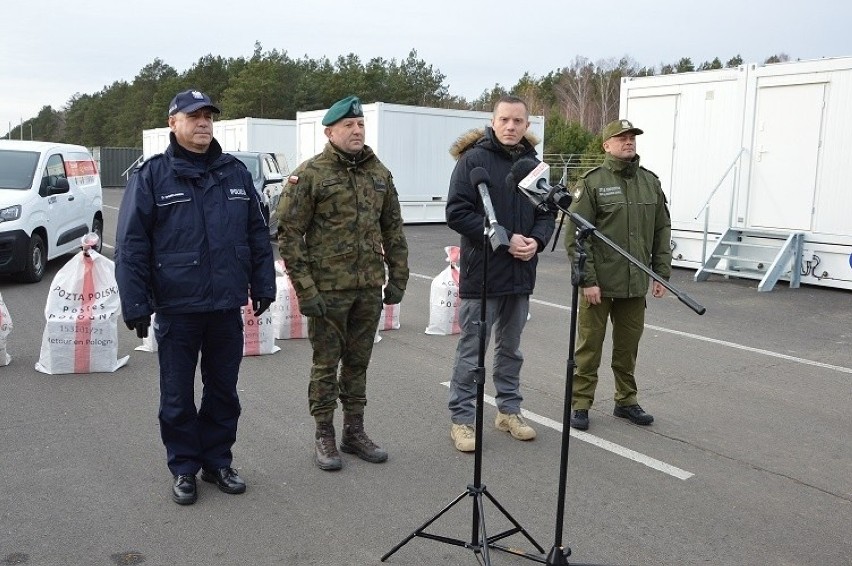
749 460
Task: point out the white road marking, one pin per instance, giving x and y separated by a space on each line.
600 443
705 339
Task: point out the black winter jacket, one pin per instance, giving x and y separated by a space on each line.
515 213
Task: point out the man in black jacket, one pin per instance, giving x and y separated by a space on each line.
511 272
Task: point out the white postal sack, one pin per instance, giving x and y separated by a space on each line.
5 329
258 336
82 312
389 319
258 332
287 320
444 301
149 343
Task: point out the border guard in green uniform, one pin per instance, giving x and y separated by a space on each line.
626 204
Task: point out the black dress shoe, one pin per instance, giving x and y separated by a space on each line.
226 479
580 419
634 413
183 490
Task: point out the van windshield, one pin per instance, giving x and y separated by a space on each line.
17 169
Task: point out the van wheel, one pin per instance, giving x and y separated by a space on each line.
98 228
36 261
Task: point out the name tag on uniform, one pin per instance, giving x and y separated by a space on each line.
609 191
173 198
379 185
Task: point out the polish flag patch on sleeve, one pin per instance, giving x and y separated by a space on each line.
293 179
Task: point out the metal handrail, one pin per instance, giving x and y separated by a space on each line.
721 180
133 165
705 208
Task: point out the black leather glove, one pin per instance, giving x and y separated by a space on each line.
140 325
315 306
260 305
393 294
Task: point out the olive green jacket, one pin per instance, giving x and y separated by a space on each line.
340 223
626 203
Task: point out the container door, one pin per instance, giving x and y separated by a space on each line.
656 115
785 156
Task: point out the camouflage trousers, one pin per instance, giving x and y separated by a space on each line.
342 341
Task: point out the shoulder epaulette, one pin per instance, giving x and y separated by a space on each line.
649 171
155 157
593 169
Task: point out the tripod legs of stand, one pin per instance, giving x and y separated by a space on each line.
480 541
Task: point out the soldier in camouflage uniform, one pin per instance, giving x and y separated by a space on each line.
340 225
626 203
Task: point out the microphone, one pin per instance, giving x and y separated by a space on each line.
480 179
536 188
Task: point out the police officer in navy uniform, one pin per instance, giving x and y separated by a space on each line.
192 246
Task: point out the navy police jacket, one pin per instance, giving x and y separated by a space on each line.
191 238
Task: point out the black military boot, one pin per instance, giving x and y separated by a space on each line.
355 440
327 457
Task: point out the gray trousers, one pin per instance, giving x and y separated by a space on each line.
507 315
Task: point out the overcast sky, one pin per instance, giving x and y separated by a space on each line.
51 49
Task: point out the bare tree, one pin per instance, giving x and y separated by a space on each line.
608 74
575 91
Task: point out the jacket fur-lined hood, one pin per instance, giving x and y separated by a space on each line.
471 137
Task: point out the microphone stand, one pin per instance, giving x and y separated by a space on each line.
479 541
558 553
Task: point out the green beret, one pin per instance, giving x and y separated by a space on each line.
618 127
349 107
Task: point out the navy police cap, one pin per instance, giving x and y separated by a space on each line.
190 101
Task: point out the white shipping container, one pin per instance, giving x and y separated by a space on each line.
243 134
765 147
414 143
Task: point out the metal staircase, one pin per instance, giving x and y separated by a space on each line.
764 255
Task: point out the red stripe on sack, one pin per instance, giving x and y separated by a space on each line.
453 254
251 332
389 317
456 277
83 347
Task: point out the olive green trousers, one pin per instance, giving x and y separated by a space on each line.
628 321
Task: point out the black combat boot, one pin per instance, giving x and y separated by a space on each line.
327 457
355 440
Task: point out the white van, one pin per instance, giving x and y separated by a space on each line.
50 196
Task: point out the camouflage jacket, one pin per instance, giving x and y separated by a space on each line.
340 223
626 204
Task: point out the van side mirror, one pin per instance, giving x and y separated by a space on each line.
271 180
57 185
